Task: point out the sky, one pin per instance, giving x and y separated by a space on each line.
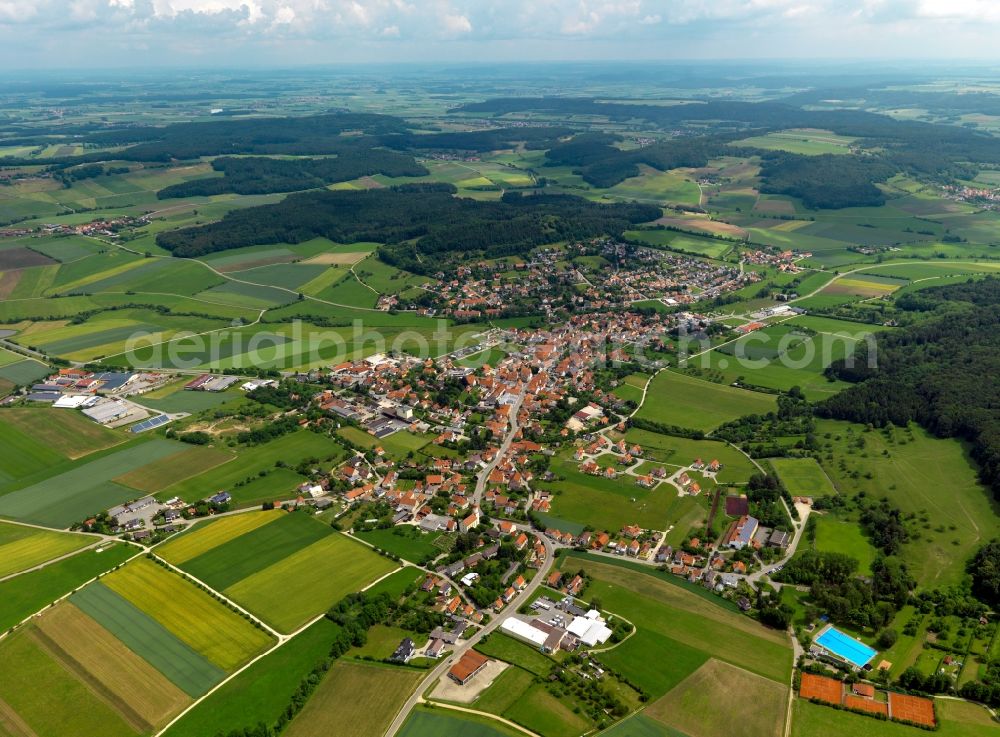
57 34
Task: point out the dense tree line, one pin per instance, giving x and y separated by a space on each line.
826 181
836 588
601 164
437 223
314 134
262 175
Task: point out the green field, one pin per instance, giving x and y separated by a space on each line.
355 700
684 242
802 476
679 630
539 710
806 142
38 438
676 399
502 647
304 585
158 475
753 705
263 691
292 449
838 536
25 547
149 639
65 706
24 372
606 503
405 541
26 594
639 725
924 475
203 623
85 489
424 722
233 560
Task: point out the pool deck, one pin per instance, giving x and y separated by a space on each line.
819 636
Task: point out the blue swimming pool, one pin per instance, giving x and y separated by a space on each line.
846 647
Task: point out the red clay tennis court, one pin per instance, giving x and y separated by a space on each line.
862 704
822 688
911 708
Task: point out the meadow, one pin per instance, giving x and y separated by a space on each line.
802 476
302 586
804 141
27 593
689 241
928 476
261 692
754 705
25 547
683 401
158 475
355 700
509 650
72 436
65 706
639 725
842 536
407 542
194 617
606 503
279 483
84 489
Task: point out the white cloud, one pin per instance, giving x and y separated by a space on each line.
524 29
455 23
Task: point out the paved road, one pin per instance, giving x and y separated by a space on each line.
445 665
484 475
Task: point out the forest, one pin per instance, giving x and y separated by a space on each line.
263 175
601 164
827 181
429 215
314 134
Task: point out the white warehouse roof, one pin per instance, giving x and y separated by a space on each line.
523 631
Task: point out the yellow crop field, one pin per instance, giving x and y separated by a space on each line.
193 616
208 535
